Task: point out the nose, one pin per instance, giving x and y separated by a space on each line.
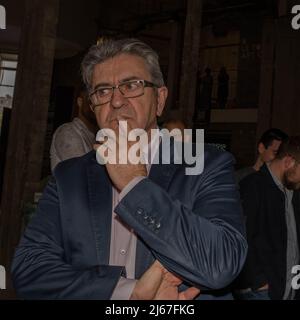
117 100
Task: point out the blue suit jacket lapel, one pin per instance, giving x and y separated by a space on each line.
100 197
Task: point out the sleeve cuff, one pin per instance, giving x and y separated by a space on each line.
130 186
123 289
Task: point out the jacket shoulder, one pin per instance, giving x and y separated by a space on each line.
74 165
256 179
217 155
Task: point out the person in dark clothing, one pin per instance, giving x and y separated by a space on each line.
271 204
203 94
267 148
132 230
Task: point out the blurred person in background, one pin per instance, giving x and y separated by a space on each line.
75 138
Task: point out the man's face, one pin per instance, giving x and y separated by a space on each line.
268 154
139 112
291 177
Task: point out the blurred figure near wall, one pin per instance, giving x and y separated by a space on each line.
75 138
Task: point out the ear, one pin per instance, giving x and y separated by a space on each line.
162 94
261 148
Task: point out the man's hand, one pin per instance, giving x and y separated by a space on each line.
157 283
147 286
265 287
168 289
121 173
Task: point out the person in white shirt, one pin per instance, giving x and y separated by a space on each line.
75 138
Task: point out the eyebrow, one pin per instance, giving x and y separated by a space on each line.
107 84
130 78
102 84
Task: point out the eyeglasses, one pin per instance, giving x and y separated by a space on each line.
129 89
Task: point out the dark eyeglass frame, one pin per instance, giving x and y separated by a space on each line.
145 83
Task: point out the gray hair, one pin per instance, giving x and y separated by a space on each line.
111 48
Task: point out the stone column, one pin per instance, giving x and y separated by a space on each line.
190 59
279 104
286 101
174 68
28 120
267 74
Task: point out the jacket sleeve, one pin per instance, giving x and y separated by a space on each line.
203 244
39 267
253 271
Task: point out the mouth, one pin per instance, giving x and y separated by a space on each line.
120 118
115 121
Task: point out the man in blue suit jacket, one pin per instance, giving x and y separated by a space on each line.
184 233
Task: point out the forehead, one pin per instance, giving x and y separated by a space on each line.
119 68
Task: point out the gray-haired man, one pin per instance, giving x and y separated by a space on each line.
139 231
